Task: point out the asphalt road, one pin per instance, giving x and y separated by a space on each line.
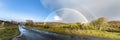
32 34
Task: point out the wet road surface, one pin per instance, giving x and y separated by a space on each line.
32 34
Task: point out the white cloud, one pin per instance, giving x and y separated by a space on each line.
89 8
57 18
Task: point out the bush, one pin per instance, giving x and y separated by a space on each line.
100 23
8 33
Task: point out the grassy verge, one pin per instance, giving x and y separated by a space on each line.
8 33
95 33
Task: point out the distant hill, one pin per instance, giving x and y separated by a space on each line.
114 24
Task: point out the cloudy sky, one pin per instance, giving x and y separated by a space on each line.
91 9
59 10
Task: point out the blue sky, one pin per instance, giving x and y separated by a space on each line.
59 10
21 10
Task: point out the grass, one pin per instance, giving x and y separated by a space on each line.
95 33
8 33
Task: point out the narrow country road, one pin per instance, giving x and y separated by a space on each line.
31 34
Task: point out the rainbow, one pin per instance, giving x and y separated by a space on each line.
84 18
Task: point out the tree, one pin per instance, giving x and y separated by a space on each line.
84 26
78 23
14 22
100 23
29 22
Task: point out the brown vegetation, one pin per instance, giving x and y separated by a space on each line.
100 27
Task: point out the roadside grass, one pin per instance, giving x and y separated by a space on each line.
8 31
95 33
